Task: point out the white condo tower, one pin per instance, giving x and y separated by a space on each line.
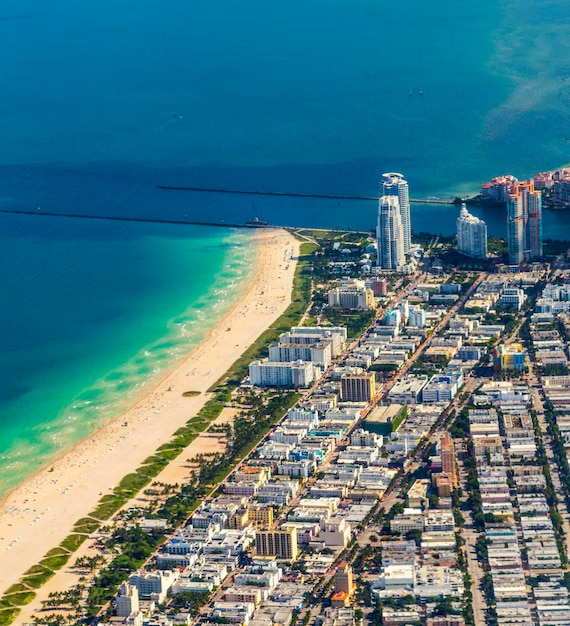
395 185
471 235
390 234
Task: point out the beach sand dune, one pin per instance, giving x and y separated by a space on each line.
40 513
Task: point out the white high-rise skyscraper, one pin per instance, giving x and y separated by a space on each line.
471 235
395 185
390 234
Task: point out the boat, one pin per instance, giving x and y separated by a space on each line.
256 222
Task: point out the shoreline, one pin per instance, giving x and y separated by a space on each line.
39 513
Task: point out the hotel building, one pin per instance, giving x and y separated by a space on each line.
351 294
294 374
358 387
279 543
471 235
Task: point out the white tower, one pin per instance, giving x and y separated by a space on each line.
395 185
471 235
127 601
390 234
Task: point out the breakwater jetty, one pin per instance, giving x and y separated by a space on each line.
144 220
151 220
285 194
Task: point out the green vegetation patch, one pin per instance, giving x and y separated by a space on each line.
185 439
7 616
37 580
171 454
211 410
20 599
72 542
131 484
55 562
356 322
17 588
152 470
198 424
155 459
55 552
86 525
35 570
108 505
191 394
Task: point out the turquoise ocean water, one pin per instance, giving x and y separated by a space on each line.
102 101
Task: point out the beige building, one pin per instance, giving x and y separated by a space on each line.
279 543
417 494
358 387
351 294
261 515
239 519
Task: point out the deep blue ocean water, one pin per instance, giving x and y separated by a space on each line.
102 101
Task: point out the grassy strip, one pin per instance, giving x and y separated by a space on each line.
191 394
72 542
55 562
197 424
54 552
152 470
36 570
17 588
171 454
210 411
22 598
150 461
184 439
7 616
108 506
85 525
35 582
131 484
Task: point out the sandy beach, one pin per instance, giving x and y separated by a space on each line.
40 513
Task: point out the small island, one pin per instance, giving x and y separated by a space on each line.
555 187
